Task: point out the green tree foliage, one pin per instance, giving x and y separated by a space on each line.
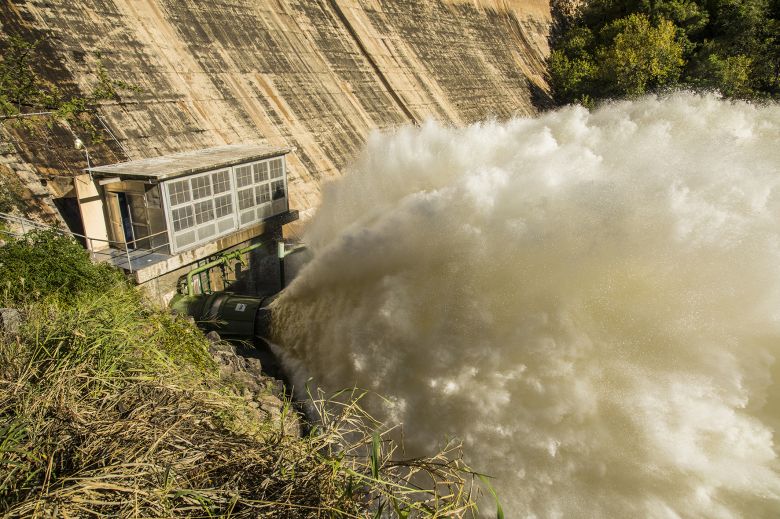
573 67
641 55
618 48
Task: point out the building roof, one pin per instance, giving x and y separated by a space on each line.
189 162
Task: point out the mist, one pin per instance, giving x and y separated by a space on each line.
590 301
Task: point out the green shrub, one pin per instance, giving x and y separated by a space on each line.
641 56
47 264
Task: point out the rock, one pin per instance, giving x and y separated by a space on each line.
217 348
10 321
213 337
254 366
263 394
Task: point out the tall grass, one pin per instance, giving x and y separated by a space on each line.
111 408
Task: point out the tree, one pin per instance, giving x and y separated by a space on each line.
641 56
638 46
572 67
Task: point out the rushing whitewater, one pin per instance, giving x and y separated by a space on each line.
590 301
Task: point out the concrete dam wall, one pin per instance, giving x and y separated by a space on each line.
318 75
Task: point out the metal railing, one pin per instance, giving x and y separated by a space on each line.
28 225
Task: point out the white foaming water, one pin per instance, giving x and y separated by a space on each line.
590 301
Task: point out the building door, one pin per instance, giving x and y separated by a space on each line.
139 220
121 221
115 221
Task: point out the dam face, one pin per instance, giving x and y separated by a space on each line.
318 75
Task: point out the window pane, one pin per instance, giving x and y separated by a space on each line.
221 181
224 205
184 239
206 231
246 198
278 189
247 217
201 187
261 172
243 176
204 211
262 194
179 192
276 168
182 218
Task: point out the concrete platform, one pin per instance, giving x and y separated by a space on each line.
139 259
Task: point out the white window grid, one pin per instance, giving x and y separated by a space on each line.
224 205
202 207
221 181
243 175
182 218
261 171
201 187
255 199
262 194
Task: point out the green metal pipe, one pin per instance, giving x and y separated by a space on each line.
233 316
222 260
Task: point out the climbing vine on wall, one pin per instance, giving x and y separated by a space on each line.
24 91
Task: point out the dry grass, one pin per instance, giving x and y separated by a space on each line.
110 409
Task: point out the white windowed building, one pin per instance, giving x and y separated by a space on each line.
202 206
186 205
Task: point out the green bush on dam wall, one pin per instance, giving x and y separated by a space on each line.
111 407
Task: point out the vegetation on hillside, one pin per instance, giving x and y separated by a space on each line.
111 408
619 48
45 264
11 190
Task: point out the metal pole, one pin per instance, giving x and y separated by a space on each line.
89 165
127 254
280 252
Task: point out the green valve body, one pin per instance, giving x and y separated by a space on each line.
233 316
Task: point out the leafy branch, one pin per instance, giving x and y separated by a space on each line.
23 90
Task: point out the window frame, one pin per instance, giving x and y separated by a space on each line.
253 215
